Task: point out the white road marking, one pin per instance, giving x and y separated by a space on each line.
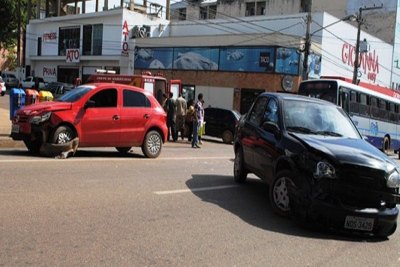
194 189
108 159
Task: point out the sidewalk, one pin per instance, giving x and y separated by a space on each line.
5 130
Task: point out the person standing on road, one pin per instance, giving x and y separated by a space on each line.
171 117
189 119
202 126
197 120
181 108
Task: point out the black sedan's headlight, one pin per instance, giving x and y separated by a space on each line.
393 180
324 169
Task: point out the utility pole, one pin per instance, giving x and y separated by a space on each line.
360 21
19 34
307 44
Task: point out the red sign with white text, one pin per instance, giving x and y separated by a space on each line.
368 62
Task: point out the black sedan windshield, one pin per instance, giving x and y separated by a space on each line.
314 118
76 94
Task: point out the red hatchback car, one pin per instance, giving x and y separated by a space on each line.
100 115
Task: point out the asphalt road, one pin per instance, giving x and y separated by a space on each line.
182 209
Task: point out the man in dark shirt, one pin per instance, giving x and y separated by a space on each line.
170 106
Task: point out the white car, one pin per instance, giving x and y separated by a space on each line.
33 83
2 87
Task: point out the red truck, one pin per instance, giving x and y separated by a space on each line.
154 84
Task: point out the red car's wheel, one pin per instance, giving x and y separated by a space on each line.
152 144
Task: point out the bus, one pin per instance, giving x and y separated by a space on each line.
374 110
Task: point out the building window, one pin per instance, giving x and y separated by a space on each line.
212 12
92 39
182 13
39 46
250 9
305 6
260 8
208 12
203 12
255 8
68 39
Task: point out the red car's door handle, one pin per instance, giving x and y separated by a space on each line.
116 117
146 116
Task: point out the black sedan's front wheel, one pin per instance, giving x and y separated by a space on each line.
279 193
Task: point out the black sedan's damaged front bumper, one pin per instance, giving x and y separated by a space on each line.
348 208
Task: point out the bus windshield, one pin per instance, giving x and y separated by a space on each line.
326 90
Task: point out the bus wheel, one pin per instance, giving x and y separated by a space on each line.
386 145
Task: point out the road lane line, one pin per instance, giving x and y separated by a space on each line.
209 188
110 159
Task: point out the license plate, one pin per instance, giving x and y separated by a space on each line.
359 223
15 128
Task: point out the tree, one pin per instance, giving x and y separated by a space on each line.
9 15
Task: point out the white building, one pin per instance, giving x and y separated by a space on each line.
67 47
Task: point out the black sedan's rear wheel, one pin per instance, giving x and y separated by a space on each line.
152 144
239 171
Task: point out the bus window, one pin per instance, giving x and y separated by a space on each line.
392 114
326 90
344 99
354 106
374 107
383 114
363 107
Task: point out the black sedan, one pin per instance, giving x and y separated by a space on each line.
317 165
221 123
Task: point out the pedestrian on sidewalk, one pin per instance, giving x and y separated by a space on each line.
197 119
171 117
181 108
189 119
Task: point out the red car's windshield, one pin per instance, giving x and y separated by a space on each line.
75 94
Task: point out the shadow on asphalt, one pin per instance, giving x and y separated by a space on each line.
79 154
250 202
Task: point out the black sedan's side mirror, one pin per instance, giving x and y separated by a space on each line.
90 104
272 127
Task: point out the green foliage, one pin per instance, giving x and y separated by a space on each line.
9 21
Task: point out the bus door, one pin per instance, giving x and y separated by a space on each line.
344 99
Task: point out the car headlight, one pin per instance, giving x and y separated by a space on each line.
393 180
324 169
40 119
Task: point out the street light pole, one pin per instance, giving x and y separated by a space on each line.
307 46
360 21
356 60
